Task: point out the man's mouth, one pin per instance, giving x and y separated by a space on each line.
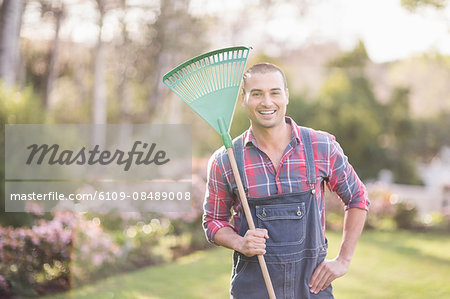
266 112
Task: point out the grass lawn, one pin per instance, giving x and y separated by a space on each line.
386 265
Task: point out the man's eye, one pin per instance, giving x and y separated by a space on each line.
256 94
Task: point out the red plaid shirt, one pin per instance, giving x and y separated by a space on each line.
263 179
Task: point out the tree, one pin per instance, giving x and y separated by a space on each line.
399 132
10 23
173 37
125 65
347 107
414 4
99 88
57 10
375 136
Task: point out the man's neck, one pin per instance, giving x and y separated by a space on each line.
276 138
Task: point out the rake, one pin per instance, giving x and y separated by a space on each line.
209 84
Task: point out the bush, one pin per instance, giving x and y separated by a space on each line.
382 207
57 252
37 256
16 107
43 258
386 211
69 249
405 215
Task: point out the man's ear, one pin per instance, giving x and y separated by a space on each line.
242 98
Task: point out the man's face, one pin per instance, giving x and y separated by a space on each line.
265 99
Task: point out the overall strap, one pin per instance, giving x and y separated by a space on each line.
238 149
309 155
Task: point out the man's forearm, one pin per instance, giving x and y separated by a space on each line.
227 237
354 220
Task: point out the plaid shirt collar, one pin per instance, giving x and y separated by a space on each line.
249 138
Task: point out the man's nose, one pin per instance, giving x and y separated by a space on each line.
267 99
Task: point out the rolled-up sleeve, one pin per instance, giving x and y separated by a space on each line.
218 200
344 181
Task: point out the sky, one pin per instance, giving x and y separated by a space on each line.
388 31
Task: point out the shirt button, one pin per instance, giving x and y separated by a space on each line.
313 191
299 213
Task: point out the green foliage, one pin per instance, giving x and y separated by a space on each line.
384 266
16 107
193 229
399 134
36 258
348 109
20 106
430 136
439 222
414 4
240 121
73 249
355 58
374 135
405 215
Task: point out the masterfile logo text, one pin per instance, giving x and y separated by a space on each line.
89 165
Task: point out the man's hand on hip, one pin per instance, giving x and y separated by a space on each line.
325 273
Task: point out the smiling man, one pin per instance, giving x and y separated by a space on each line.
284 168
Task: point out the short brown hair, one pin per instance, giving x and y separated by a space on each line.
262 68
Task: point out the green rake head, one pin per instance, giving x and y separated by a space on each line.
209 84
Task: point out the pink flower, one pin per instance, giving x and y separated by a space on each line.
3 284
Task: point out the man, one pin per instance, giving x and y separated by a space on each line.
283 168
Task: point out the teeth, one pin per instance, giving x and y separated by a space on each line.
267 112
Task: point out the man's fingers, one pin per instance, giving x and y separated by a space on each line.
322 283
325 273
259 232
329 280
264 231
257 239
315 276
257 242
319 278
253 249
254 242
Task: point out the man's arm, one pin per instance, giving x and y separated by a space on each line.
218 200
254 241
329 270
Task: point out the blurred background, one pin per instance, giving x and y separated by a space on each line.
376 74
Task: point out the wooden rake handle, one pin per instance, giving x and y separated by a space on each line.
251 224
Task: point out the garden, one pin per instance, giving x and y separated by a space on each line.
102 62
157 256
387 264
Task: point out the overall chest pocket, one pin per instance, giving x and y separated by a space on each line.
285 223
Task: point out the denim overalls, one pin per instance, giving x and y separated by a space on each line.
296 245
